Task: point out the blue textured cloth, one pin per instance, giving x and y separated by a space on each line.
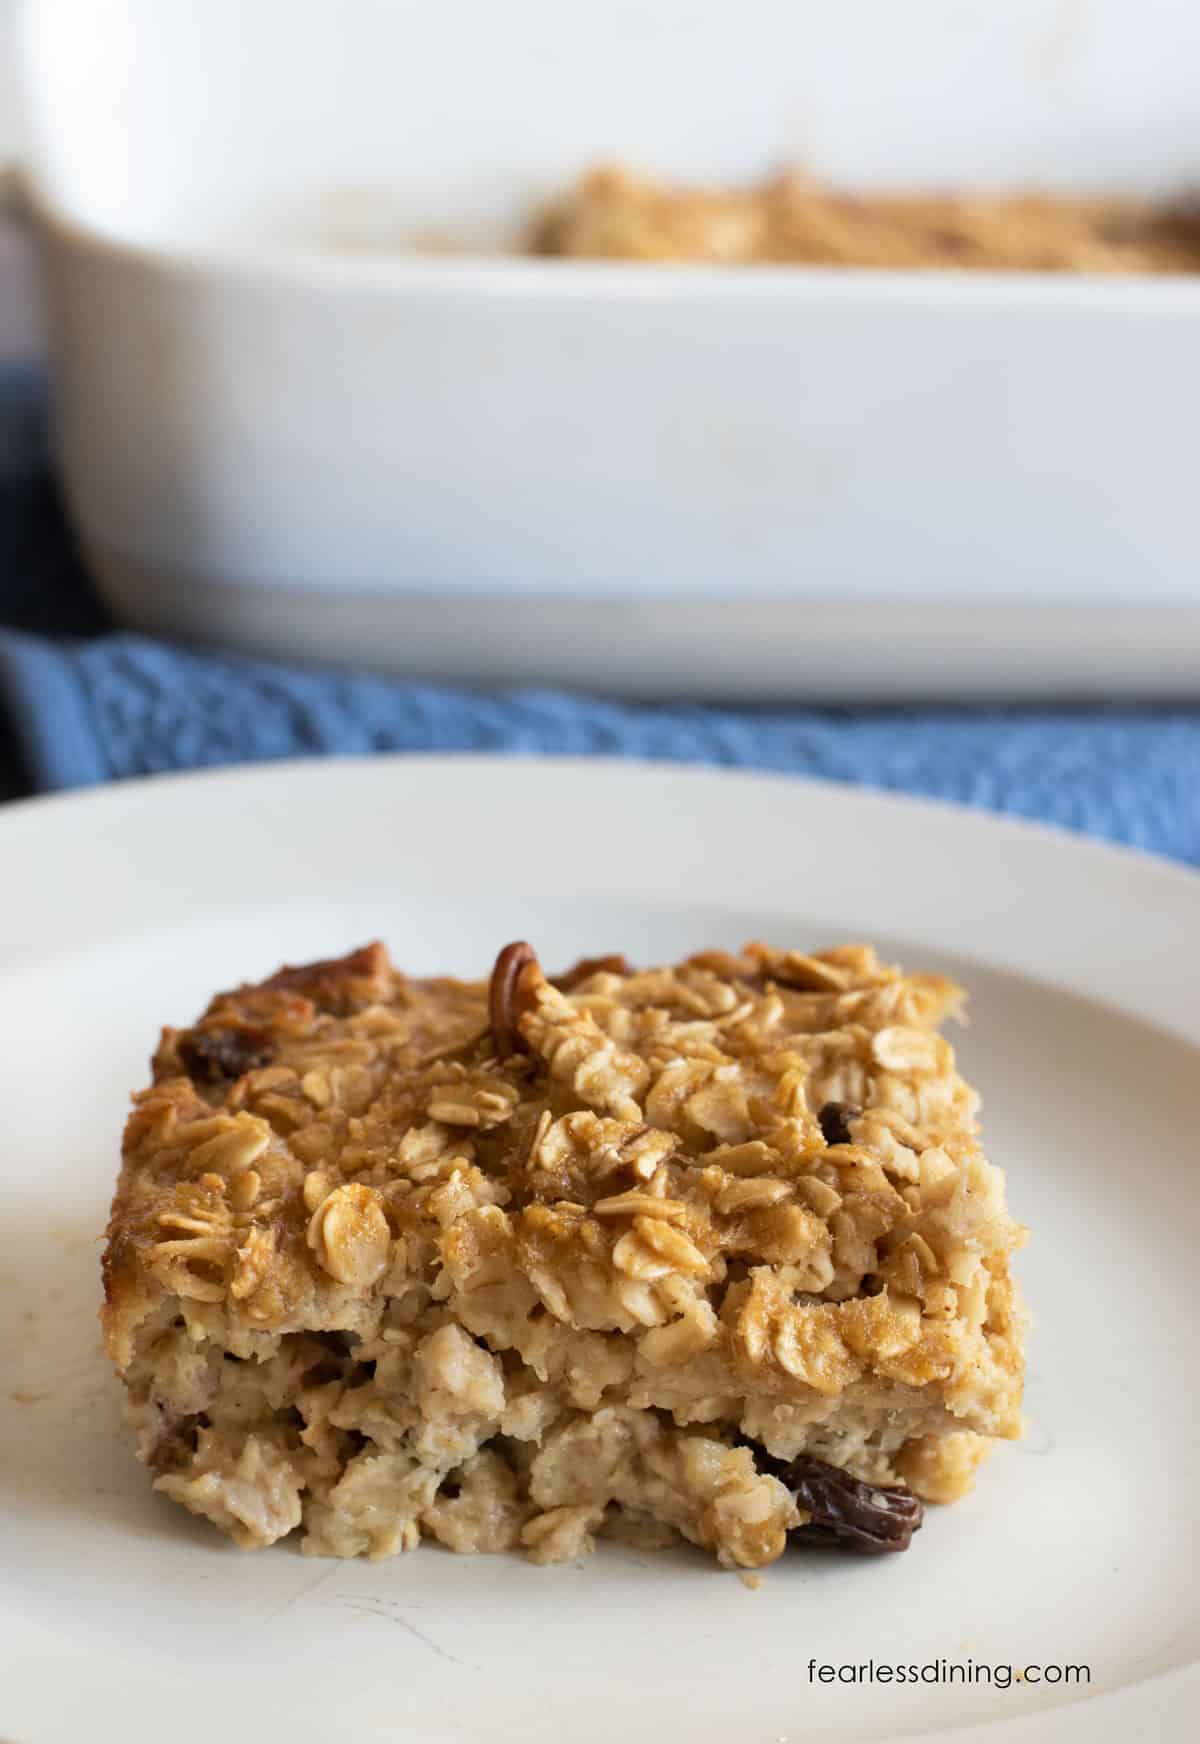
85 703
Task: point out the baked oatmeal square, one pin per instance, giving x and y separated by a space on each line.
706 1251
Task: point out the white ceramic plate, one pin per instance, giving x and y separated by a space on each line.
125 1619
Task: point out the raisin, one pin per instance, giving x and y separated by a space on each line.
586 966
322 1373
508 1000
845 1512
834 1120
218 1056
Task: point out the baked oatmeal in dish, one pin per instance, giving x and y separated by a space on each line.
616 214
709 1250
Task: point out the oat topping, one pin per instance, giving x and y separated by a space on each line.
617 214
709 1250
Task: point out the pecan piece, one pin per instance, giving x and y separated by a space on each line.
222 1055
845 1512
587 966
834 1121
510 996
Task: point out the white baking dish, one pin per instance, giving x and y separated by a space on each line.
281 428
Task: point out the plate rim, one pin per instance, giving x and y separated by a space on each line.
1094 868
107 792
27 807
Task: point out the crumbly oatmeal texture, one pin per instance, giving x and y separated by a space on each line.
616 214
709 1251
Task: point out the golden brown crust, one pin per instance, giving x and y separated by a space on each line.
617 1192
616 214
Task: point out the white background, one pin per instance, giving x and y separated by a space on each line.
8 122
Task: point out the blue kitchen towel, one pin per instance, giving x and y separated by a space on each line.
121 705
85 703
